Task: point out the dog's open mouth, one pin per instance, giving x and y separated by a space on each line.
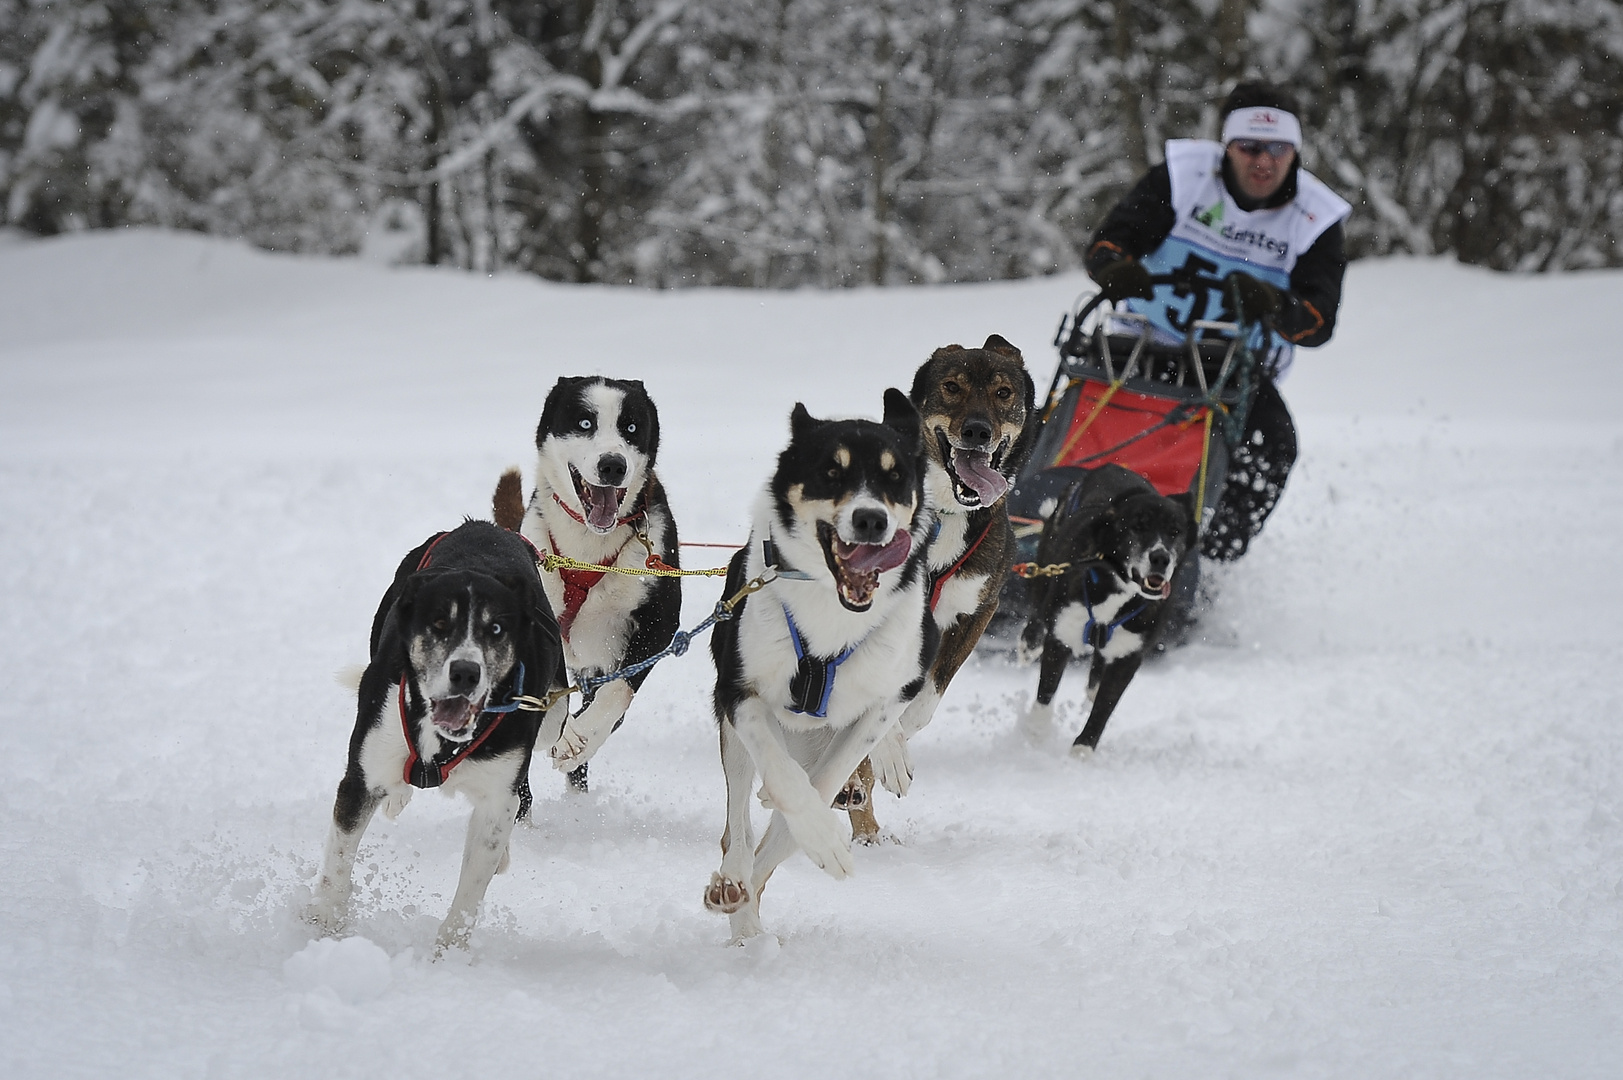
976 480
600 505
454 717
856 567
1152 586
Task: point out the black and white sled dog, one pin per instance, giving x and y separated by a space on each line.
818 665
1123 541
597 500
463 631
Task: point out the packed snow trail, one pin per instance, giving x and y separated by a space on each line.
1369 827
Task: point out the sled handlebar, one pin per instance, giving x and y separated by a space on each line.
1069 337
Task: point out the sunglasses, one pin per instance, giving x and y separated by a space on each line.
1253 148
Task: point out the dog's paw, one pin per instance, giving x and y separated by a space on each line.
571 749
853 796
455 933
1037 725
724 895
891 765
395 801
326 914
746 926
821 835
1081 751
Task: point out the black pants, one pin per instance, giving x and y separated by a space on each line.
1257 471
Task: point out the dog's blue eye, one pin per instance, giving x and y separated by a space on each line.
586 425
495 629
630 428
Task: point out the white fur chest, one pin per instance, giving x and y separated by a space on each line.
1071 625
882 661
597 636
961 593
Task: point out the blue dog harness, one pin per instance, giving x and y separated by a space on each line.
814 678
1096 633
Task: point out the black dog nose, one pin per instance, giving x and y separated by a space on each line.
1159 561
869 525
976 432
611 470
464 677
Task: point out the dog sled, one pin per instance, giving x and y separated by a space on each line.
1121 394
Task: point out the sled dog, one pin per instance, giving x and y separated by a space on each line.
977 407
817 666
1123 541
462 632
597 500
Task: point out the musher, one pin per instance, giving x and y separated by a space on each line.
1241 210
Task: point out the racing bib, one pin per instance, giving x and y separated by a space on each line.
1213 236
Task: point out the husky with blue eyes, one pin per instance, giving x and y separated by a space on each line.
596 500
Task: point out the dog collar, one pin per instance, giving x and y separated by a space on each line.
431 773
778 564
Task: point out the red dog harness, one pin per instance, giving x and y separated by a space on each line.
939 580
579 583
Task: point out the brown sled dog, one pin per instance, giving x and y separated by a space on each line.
978 408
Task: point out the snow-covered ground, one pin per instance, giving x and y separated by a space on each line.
1371 827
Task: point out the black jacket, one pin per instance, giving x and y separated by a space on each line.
1139 223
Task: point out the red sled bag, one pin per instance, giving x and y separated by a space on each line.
1160 437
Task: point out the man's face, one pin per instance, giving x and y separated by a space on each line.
1260 167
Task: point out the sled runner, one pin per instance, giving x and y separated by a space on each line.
1123 395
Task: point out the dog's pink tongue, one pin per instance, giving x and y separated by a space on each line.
975 469
452 713
601 505
873 558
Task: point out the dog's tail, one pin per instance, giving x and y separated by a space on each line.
507 501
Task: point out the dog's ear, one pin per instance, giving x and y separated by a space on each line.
402 576
389 628
561 389
533 605
1027 442
902 417
997 343
801 422
1093 534
922 381
653 422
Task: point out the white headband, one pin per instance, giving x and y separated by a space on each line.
1262 124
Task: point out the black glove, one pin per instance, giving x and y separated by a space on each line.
1124 278
1258 299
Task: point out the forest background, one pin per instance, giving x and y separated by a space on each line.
790 143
